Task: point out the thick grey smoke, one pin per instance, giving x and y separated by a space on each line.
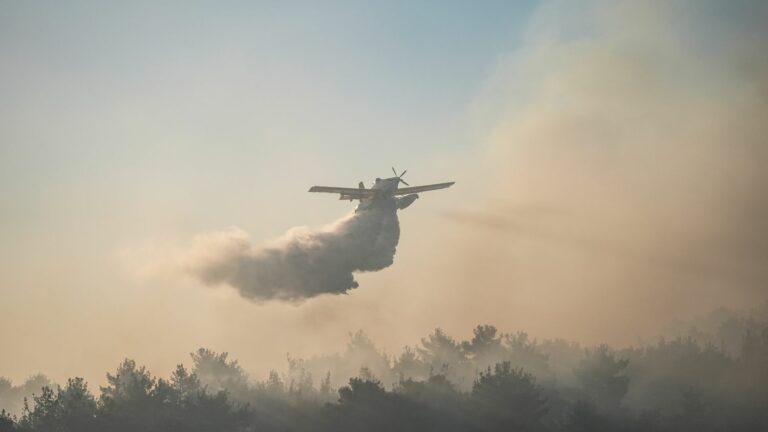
305 262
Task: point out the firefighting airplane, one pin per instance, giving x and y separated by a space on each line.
383 190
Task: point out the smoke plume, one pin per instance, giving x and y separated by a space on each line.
641 131
304 263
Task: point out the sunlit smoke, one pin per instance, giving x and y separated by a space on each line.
640 129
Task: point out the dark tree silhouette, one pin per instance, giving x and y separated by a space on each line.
445 356
365 405
6 422
72 408
603 378
216 372
585 417
508 399
410 366
672 386
485 348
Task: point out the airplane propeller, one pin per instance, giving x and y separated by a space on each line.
399 177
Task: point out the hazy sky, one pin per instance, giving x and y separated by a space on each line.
127 129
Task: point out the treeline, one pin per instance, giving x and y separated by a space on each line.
491 382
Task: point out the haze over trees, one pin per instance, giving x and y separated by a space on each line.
713 376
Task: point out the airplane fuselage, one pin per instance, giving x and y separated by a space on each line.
383 193
386 185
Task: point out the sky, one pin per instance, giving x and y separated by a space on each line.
607 155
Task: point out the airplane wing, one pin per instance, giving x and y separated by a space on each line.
416 189
348 193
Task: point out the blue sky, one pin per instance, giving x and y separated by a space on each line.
116 101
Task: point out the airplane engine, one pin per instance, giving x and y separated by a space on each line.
406 201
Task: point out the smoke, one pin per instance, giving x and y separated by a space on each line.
304 263
640 127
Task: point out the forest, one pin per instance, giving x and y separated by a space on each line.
705 375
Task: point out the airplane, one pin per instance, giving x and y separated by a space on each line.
382 191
